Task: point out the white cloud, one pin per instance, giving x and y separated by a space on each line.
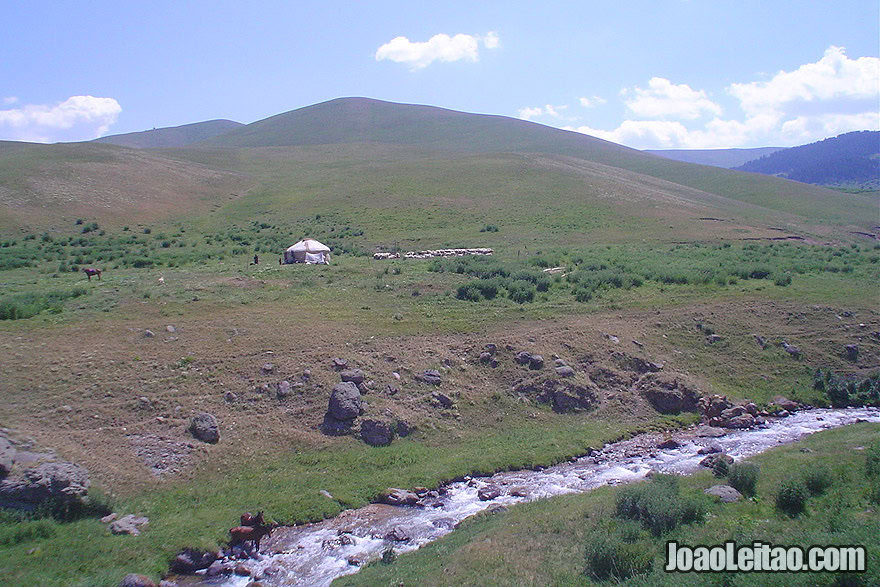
440 47
529 113
9 100
663 99
635 133
591 101
826 98
834 76
85 117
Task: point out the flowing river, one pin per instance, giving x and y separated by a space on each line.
315 554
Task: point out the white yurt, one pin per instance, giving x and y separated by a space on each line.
308 250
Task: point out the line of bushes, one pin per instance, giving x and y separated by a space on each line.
26 305
848 390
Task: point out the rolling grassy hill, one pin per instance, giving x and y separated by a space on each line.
174 136
727 158
849 160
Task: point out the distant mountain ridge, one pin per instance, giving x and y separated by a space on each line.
848 160
727 158
172 136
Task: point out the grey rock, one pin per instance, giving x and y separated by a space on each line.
217 569
710 449
190 560
404 428
522 358
491 348
485 357
740 422
442 399
430 376
171 329
536 362
395 496
712 459
377 432
398 534
230 397
725 493
762 342
338 364
333 427
713 338
148 334
355 376
565 371
129 524
668 443
785 403
733 412
135 580
7 457
267 368
489 492
283 389
204 427
65 482
345 401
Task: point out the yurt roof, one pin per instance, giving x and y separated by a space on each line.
309 245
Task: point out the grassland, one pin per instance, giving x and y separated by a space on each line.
643 252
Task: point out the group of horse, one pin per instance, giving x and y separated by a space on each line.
252 530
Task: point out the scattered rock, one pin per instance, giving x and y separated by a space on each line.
338 364
135 580
710 432
669 443
64 482
710 449
377 432
241 570
518 491
230 397
711 460
785 403
404 428
109 518
740 422
713 338
791 349
148 334
129 524
218 568
762 342
204 427
171 329
536 362
398 534
394 496
345 401
284 389
611 337
668 394
489 492
267 368
355 376
441 399
522 358
725 493
565 371
430 376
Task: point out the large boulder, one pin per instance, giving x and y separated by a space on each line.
190 560
442 400
129 524
204 426
64 482
725 493
395 496
345 401
377 432
430 376
668 395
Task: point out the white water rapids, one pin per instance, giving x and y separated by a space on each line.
315 554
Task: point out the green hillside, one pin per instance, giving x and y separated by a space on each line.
174 136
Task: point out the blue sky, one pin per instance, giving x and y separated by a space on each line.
648 74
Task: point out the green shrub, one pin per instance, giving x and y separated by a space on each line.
658 505
617 555
791 497
872 460
783 280
520 292
720 468
468 292
818 480
744 477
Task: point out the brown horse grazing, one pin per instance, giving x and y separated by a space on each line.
248 519
241 534
89 271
